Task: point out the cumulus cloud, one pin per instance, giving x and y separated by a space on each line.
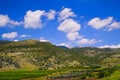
66 13
42 39
15 40
69 26
114 25
51 14
65 44
98 23
6 21
32 19
110 46
73 36
24 36
88 41
10 35
15 23
107 23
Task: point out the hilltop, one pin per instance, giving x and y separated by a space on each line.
36 55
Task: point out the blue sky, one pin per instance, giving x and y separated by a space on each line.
73 23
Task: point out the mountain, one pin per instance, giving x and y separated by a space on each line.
4 41
33 54
63 47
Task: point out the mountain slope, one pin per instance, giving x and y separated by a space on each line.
33 54
39 55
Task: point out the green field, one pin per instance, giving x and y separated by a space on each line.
76 73
21 74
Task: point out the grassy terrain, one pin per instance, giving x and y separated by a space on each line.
22 74
33 60
75 73
114 76
86 74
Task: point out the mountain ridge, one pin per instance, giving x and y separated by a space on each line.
33 54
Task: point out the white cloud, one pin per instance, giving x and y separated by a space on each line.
88 41
51 14
110 46
98 23
65 44
24 36
108 23
15 23
114 25
66 13
69 26
15 40
42 39
10 35
32 19
73 36
6 21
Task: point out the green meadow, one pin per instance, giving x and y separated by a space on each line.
22 74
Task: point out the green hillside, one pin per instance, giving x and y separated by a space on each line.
35 55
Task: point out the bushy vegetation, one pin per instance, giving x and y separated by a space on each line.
89 62
96 73
114 76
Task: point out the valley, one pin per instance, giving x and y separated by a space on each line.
35 60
